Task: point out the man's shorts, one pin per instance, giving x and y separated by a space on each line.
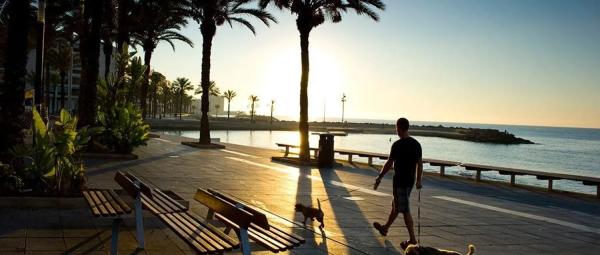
401 199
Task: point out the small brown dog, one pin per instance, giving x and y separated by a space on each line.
414 249
311 213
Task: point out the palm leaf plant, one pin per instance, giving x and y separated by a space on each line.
310 14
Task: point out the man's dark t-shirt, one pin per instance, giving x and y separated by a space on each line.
405 153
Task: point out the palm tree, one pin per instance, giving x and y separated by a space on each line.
158 21
156 81
229 95
12 89
210 14
182 84
310 14
165 91
90 52
213 90
253 99
60 58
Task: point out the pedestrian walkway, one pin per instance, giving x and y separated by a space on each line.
497 219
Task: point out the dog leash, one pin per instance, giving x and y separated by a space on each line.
419 218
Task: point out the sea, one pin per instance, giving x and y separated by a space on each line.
559 150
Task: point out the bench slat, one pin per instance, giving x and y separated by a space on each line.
103 210
112 202
92 204
215 231
120 201
171 204
257 238
193 229
299 239
105 202
199 228
265 236
223 207
258 218
182 233
285 239
272 238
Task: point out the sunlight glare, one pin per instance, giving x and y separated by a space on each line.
282 83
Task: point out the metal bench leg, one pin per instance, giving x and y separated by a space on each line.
442 170
370 161
244 241
139 221
350 158
550 181
287 151
227 230
210 215
478 176
512 179
598 191
114 242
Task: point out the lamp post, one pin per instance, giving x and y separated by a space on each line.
272 106
39 54
343 105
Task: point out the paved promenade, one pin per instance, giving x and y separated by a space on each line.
497 219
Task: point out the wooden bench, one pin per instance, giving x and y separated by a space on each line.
106 203
200 235
288 146
260 231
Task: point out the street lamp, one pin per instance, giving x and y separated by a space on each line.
343 105
39 54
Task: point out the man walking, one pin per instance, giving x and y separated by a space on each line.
406 156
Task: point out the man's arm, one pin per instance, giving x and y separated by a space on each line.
386 167
419 173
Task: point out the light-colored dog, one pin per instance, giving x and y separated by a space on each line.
414 249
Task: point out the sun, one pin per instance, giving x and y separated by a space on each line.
282 83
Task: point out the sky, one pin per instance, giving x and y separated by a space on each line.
522 62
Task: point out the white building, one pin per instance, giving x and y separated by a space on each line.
73 79
216 105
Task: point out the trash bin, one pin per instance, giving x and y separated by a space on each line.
326 150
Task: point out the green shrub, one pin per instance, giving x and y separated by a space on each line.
124 128
49 164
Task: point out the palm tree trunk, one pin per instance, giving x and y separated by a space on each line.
228 105
180 102
164 104
304 152
208 29
145 83
12 89
87 99
107 49
123 28
62 89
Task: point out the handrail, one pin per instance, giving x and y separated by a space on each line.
513 172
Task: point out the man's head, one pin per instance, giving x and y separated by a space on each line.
402 125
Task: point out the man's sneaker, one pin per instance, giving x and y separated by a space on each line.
382 230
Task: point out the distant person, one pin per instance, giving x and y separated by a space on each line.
406 156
